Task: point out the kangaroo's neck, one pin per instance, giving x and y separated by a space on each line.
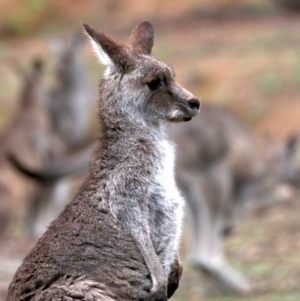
128 131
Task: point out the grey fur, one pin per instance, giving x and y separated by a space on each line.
71 102
36 152
28 137
70 109
118 239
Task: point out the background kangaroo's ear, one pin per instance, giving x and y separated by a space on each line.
142 38
109 52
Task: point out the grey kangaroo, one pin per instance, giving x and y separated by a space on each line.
220 169
70 107
31 141
118 238
32 156
27 137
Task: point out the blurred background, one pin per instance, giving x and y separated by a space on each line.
242 55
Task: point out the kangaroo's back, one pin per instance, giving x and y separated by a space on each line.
82 257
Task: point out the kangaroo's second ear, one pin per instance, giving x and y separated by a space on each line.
142 38
109 52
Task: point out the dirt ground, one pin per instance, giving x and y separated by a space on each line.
247 60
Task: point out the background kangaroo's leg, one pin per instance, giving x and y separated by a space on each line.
207 219
225 276
199 218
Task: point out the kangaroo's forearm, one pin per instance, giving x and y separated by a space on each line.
136 222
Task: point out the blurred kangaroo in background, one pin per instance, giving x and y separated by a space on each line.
118 239
33 156
220 169
71 100
28 138
70 107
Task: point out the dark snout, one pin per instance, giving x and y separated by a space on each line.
187 104
193 108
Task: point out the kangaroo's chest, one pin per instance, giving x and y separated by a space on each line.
163 184
165 203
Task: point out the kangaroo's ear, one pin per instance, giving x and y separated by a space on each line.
109 52
142 38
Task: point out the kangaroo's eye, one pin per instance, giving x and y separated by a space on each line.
154 84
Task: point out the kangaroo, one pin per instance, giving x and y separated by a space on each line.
27 138
220 169
118 238
31 142
70 106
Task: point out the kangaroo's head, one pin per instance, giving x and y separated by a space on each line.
142 88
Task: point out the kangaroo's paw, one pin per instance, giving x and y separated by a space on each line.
174 277
159 291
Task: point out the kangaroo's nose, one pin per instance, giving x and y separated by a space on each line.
194 104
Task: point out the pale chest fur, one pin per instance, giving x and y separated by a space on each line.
165 172
168 179
165 205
